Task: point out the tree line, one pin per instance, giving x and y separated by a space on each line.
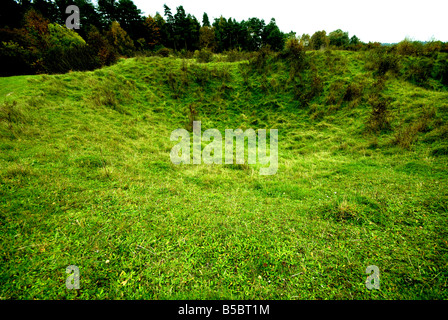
34 39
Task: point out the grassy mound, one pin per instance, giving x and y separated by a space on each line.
86 180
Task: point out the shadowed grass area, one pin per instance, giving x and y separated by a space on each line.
87 180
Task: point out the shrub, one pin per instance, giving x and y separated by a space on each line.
339 38
432 47
236 55
63 37
164 52
319 40
15 59
317 86
172 81
21 49
204 56
336 93
352 92
260 59
245 73
120 39
418 70
185 54
61 60
440 151
105 53
388 62
410 48
201 75
294 53
379 118
192 116
440 69
379 85
381 62
294 49
309 86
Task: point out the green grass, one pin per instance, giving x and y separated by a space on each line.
86 179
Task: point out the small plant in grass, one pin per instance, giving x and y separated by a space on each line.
192 113
105 170
239 166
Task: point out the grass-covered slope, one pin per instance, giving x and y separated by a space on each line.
86 180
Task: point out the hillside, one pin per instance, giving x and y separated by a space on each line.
87 180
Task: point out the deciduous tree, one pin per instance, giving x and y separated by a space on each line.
120 39
319 40
152 32
339 38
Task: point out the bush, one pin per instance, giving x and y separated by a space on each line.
388 62
235 55
15 59
410 48
259 61
379 120
339 38
294 49
440 69
201 75
185 54
432 47
62 60
164 52
418 70
440 151
336 93
63 37
352 92
119 38
204 56
105 53
382 62
294 53
319 40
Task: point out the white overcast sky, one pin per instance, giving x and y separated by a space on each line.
370 20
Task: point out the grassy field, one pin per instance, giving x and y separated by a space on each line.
86 180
